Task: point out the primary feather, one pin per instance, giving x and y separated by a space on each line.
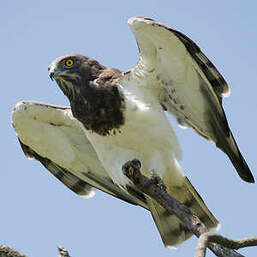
191 88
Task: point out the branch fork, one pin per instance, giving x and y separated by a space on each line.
154 187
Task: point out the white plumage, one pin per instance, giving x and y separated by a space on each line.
146 135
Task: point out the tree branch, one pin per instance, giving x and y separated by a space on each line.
63 252
6 251
155 189
210 237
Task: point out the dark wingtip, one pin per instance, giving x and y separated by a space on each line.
230 147
251 181
247 177
243 169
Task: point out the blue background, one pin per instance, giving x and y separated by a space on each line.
37 211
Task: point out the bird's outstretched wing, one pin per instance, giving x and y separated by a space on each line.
50 134
187 84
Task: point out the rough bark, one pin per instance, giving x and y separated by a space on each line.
6 251
154 187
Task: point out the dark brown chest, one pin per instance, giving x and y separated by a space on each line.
100 110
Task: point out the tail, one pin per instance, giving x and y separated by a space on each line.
229 146
172 230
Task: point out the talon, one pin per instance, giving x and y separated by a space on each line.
130 171
158 182
136 163
163 187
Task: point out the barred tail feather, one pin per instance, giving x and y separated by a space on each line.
173 232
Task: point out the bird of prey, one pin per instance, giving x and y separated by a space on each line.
122 116
51 135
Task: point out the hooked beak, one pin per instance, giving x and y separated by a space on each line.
53 74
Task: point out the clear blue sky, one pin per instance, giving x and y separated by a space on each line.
37 211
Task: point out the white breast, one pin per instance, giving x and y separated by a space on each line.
146 135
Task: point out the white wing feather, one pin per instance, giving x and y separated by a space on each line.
165 58
51 133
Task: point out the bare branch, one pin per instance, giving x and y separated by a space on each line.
154 187
6 251
209 237
157 191
63 252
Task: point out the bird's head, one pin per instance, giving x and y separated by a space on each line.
72 72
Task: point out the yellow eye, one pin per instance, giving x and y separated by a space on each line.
69 62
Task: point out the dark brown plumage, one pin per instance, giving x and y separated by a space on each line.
75 184
95 99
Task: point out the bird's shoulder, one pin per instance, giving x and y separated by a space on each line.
108 77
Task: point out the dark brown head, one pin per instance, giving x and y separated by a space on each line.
94 96
72 71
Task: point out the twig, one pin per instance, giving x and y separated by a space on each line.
132 170
209 237
63 252
6 251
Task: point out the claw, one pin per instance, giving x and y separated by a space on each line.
132 169
158 182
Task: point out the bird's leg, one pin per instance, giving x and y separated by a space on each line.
132 170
